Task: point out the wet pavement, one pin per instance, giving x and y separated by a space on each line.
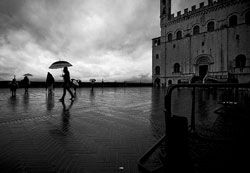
103 130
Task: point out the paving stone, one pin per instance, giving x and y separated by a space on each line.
104 131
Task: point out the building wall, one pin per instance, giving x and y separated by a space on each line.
156 58
240 46
220 47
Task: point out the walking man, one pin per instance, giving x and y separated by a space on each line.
66 84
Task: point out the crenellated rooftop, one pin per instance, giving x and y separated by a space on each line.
201 7
194 11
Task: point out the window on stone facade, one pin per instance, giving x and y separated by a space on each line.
196 30
240 61
210 26
163 10
157 70
170 37
155 43
159 42
178 35
237 37
157 56
247 18
233 20
176 68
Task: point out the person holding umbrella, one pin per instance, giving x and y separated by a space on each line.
26 82
66 84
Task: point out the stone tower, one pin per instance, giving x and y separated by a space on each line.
165 9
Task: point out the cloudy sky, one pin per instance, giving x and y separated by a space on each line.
102 39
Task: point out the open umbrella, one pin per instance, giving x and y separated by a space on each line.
60 64
28 74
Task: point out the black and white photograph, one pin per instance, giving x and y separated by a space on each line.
124 86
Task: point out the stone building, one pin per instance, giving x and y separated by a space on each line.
209 43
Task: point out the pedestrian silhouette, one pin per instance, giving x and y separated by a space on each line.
26 83
92 82
13 86
50 83
66 84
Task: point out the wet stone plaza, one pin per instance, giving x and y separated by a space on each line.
103 130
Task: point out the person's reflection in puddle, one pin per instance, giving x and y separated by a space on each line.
66 116
26 98
50 101
13 100
92 96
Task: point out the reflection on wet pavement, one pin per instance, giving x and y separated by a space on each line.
141 105
111 127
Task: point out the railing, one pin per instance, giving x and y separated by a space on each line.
168 111
204 78
170 89
220 73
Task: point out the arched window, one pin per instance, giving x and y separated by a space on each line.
155 43
163 10
240 61
170 82
159 42
157 56
233 20
210 26
247 18
176 68
178 35
157 70
196 30
170 37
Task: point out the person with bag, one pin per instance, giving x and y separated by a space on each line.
13 86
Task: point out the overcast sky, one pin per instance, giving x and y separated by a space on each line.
102 39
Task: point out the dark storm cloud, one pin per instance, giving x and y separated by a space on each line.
102 38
